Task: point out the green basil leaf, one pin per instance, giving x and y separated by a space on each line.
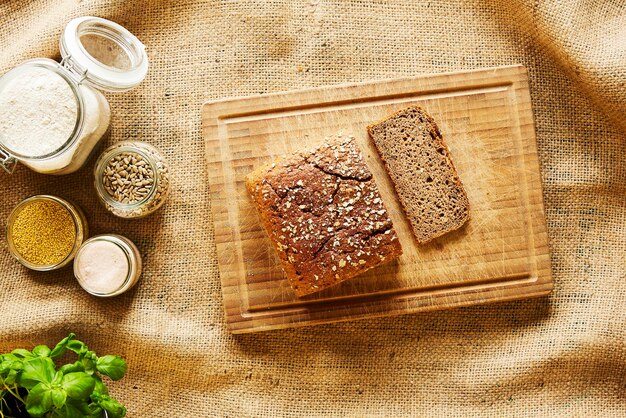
7 361
58 397
95 410
82 406
8 365
5 367
11 377
100 388
39 400
61 347
78 385
89 366
71 410
113 366
56 381
114 408
36 370
73 367
77 346
22 353
41 351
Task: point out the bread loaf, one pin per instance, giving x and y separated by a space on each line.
324 215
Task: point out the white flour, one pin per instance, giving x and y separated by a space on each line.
38 112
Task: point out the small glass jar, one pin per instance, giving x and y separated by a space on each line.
132 179
80 227
107 265
97 54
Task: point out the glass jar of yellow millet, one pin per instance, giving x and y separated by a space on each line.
45 232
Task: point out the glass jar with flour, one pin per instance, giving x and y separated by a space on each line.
52 115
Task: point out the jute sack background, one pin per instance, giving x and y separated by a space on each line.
561 355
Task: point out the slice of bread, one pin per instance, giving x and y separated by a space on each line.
419 164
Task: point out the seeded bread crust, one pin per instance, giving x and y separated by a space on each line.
418 161
324 215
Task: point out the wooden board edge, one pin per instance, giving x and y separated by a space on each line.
540 233
211 108
416 301
544 291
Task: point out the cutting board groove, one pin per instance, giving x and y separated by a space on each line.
486 118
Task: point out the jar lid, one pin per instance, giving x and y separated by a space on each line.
103 54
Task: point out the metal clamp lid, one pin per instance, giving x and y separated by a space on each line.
7 161
79 74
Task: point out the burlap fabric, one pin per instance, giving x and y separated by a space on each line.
562 355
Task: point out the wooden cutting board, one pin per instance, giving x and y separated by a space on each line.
486 118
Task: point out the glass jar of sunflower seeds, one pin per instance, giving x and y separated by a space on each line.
132 179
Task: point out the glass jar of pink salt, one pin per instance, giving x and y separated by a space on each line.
107 265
